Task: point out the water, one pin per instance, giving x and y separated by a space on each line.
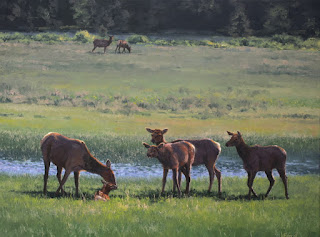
227 166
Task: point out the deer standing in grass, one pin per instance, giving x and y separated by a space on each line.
122 44
260 158
74 156
102 43
103 194
207 152
174 156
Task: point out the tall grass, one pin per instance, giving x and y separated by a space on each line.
137 209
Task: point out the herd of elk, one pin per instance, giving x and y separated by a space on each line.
101 43
207 152
74 156
260 158
174 156
179 156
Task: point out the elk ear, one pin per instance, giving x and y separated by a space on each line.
160 145
149 130
164 131
108 163
146 145
239 134
230 133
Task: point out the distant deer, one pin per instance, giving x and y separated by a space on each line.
102 43
74 156
260 158
103 194
122 44
174 156
207 152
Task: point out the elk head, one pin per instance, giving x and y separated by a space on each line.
153 151
107 187
236 139
157 135
108 174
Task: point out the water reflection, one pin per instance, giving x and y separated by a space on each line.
227 166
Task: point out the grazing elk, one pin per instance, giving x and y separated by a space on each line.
260 158
102 43
207 152
103 194
174 156
74 156
122 44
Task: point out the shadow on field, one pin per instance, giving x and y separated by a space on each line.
39 194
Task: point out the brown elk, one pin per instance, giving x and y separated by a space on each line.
174 156
122 44
207 152
102 43
260 158
74 156
103 194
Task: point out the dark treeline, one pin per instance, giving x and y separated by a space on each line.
227 17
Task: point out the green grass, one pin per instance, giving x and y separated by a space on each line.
137 209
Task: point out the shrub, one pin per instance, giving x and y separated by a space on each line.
83 36
134 39
45 37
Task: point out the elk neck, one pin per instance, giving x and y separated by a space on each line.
92 165
243 149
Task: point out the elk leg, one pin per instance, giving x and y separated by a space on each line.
105 49
65 177
76 181
116 49
218 174
271 180
175 180
284 178
45 177
188 178
59 170
251 176
94 47
164 179
211 176
123 50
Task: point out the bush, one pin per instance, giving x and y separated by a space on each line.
45 37
83 36
134 39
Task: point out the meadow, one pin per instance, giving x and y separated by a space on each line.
138 209
108 100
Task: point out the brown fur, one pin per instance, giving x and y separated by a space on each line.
174 156
207 152
74 156
103 194
260 158
101 43
122 44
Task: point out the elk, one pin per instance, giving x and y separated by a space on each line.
102 43
207 152
103 194
74 156
260 158
122 44
174 156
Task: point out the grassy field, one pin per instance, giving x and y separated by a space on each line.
108 99
137 209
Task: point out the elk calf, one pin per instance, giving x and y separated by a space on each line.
207 153
174 156
103 194
102 43
260 158
74 156
122 44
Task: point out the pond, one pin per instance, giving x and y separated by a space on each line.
227 165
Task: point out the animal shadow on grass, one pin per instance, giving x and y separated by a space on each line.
39 194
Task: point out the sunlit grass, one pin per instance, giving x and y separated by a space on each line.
138 209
